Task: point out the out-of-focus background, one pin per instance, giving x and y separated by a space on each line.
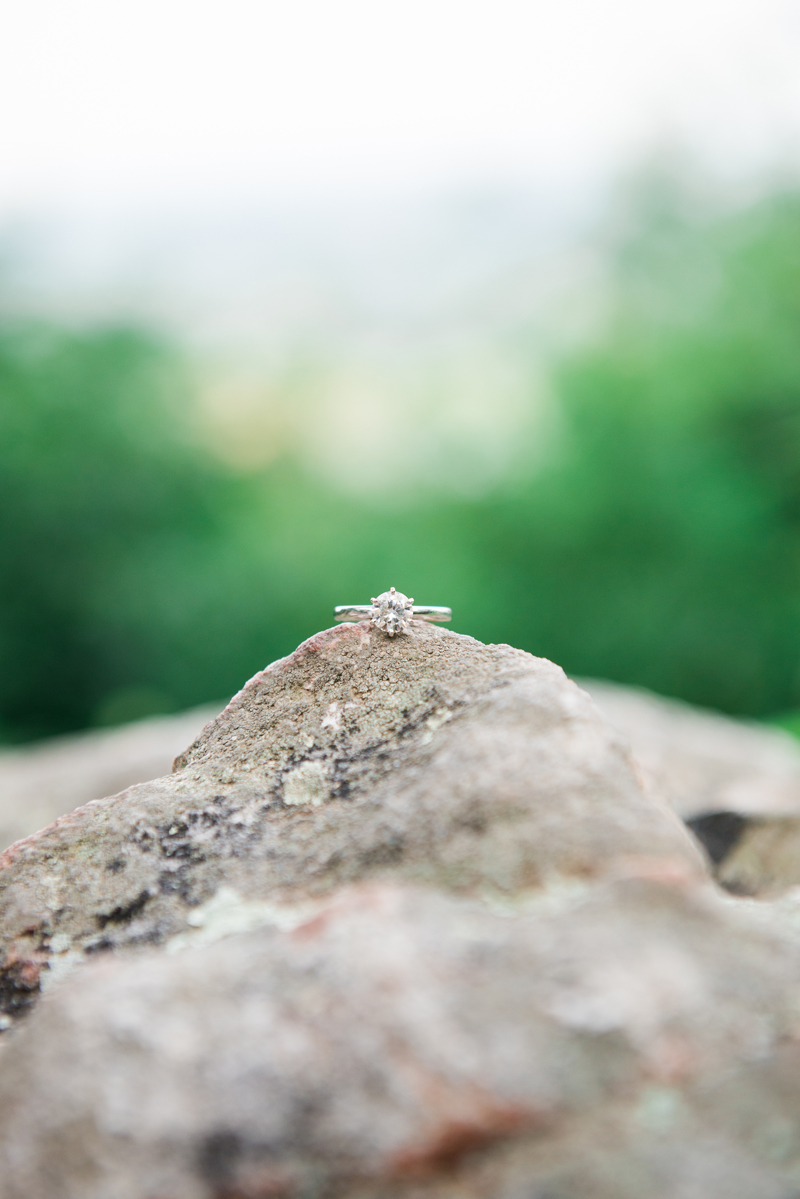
495 302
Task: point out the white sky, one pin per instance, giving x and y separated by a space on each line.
123 121
153 101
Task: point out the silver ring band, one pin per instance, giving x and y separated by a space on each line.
391 612
365 611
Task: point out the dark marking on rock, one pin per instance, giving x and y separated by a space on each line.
101 946
152 936
19 987
114 866
185 851
178 882
476 822
386 853
125 912
217 1156
718 832
737 887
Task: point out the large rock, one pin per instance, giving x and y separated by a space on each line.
429 757
618 1040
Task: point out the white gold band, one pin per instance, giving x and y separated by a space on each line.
365 612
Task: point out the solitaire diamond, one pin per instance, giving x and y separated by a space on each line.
391 612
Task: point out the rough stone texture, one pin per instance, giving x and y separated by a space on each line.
629 1039
701 762
39 783
431 756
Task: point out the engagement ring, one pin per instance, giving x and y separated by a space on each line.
392 612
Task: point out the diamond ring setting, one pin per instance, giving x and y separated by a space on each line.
391 612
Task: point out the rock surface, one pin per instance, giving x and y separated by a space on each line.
39 783
430 757
603 1040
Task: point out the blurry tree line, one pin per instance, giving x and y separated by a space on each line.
658 543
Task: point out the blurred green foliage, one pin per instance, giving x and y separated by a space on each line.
658 543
